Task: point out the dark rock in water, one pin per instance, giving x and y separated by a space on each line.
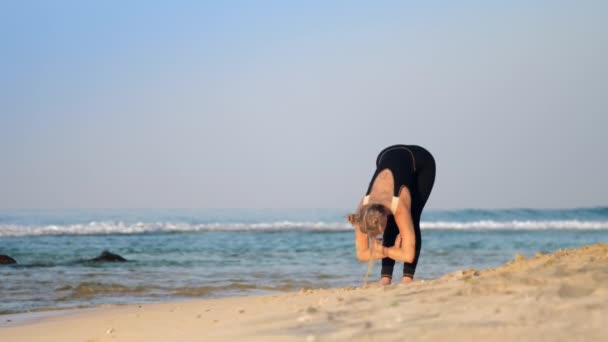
7 260
106 256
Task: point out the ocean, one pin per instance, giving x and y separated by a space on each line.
186 254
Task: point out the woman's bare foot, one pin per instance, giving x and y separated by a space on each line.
406 280
385 280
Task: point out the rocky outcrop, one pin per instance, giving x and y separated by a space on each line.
7 260
107 256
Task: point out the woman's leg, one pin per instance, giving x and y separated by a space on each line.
388 240
425 178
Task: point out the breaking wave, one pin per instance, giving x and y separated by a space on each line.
106 228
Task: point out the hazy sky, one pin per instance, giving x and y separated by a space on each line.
277 104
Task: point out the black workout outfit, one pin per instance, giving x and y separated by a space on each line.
412 167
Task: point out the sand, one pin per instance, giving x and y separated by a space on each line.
556 297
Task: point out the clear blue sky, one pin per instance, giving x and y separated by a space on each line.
277 104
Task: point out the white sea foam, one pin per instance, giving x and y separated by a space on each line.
162 227
11 230
517 225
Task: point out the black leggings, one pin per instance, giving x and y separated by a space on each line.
424 179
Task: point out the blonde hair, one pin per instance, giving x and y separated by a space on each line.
370 219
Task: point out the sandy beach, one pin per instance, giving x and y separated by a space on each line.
553 297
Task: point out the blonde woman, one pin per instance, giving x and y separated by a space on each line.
387 220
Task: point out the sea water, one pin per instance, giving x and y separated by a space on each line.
185 254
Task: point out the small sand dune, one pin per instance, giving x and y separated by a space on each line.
555 297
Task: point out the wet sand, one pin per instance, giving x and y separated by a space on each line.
555 297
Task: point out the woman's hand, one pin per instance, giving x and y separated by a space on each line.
378 249
398 241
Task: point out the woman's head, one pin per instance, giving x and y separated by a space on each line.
370 218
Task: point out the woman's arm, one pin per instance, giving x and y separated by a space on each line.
364 252
404 250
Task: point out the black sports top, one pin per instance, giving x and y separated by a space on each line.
399 159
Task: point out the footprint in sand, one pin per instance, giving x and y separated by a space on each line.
569 291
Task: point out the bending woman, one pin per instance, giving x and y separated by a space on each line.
392 207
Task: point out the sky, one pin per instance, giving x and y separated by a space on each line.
285 104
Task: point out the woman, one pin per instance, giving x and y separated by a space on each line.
392 207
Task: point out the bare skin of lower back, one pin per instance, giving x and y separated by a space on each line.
382 189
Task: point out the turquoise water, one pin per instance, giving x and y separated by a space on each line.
182 254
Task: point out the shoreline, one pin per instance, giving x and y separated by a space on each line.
23 318
549 297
